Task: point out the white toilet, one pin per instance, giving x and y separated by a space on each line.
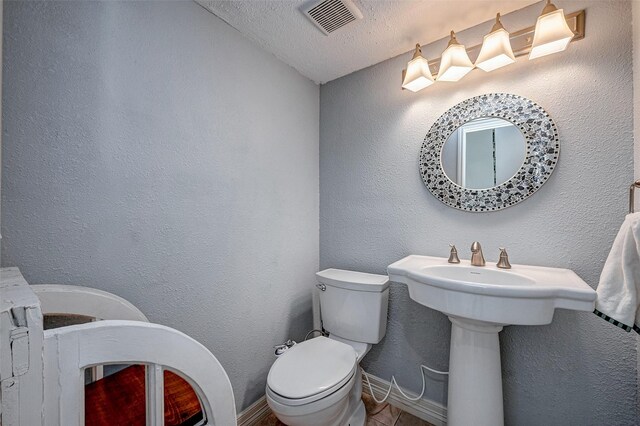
318 382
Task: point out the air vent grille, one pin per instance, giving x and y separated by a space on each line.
329 15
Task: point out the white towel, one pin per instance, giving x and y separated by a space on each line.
619 288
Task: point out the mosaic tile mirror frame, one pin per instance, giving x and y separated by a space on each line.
541 156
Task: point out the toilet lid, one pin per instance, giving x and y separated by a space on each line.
312 367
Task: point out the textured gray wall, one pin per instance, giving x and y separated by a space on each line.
636 128
152 151
374 210
1 11
636 96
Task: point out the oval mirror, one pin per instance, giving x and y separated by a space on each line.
483 153
489 152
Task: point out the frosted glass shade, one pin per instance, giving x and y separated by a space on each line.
418 75
454 64
552 34
496 51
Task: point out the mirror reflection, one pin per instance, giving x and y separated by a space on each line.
483 153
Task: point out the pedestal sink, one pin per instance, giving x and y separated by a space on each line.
479 302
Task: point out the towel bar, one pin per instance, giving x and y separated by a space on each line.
632 188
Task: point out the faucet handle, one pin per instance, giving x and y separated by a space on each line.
453 255
503 261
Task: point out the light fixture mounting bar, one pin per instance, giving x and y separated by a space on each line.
522 40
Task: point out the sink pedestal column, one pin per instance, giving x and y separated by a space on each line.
475 374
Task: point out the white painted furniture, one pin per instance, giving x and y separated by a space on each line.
85 301
58 299
69 350
42 373
21 343
479 302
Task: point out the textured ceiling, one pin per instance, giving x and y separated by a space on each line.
389 28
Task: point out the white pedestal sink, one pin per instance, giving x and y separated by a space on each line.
479 301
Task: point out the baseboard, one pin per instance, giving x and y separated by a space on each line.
254 413
425 409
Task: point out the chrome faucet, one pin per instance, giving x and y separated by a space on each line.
477 259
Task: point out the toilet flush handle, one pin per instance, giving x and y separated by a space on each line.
322 287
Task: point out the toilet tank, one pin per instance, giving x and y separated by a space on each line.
353 305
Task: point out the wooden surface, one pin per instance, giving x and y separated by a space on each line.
119 399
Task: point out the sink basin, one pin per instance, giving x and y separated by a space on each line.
460 276
523 295
479 301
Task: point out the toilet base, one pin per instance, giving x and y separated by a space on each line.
349 410
359 416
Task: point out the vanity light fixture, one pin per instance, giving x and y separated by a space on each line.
455 62
552 33
496 49
417 75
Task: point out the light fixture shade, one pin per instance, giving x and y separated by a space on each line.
455 62
418 75
552 33
496 49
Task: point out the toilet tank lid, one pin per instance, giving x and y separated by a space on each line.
353 280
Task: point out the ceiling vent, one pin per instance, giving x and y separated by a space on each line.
329 15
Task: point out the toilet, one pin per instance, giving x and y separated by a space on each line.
318 382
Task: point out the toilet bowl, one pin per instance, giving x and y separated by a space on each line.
318 382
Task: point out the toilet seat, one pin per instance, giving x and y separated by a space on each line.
311 370
312 404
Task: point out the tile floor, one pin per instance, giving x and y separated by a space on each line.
377 415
